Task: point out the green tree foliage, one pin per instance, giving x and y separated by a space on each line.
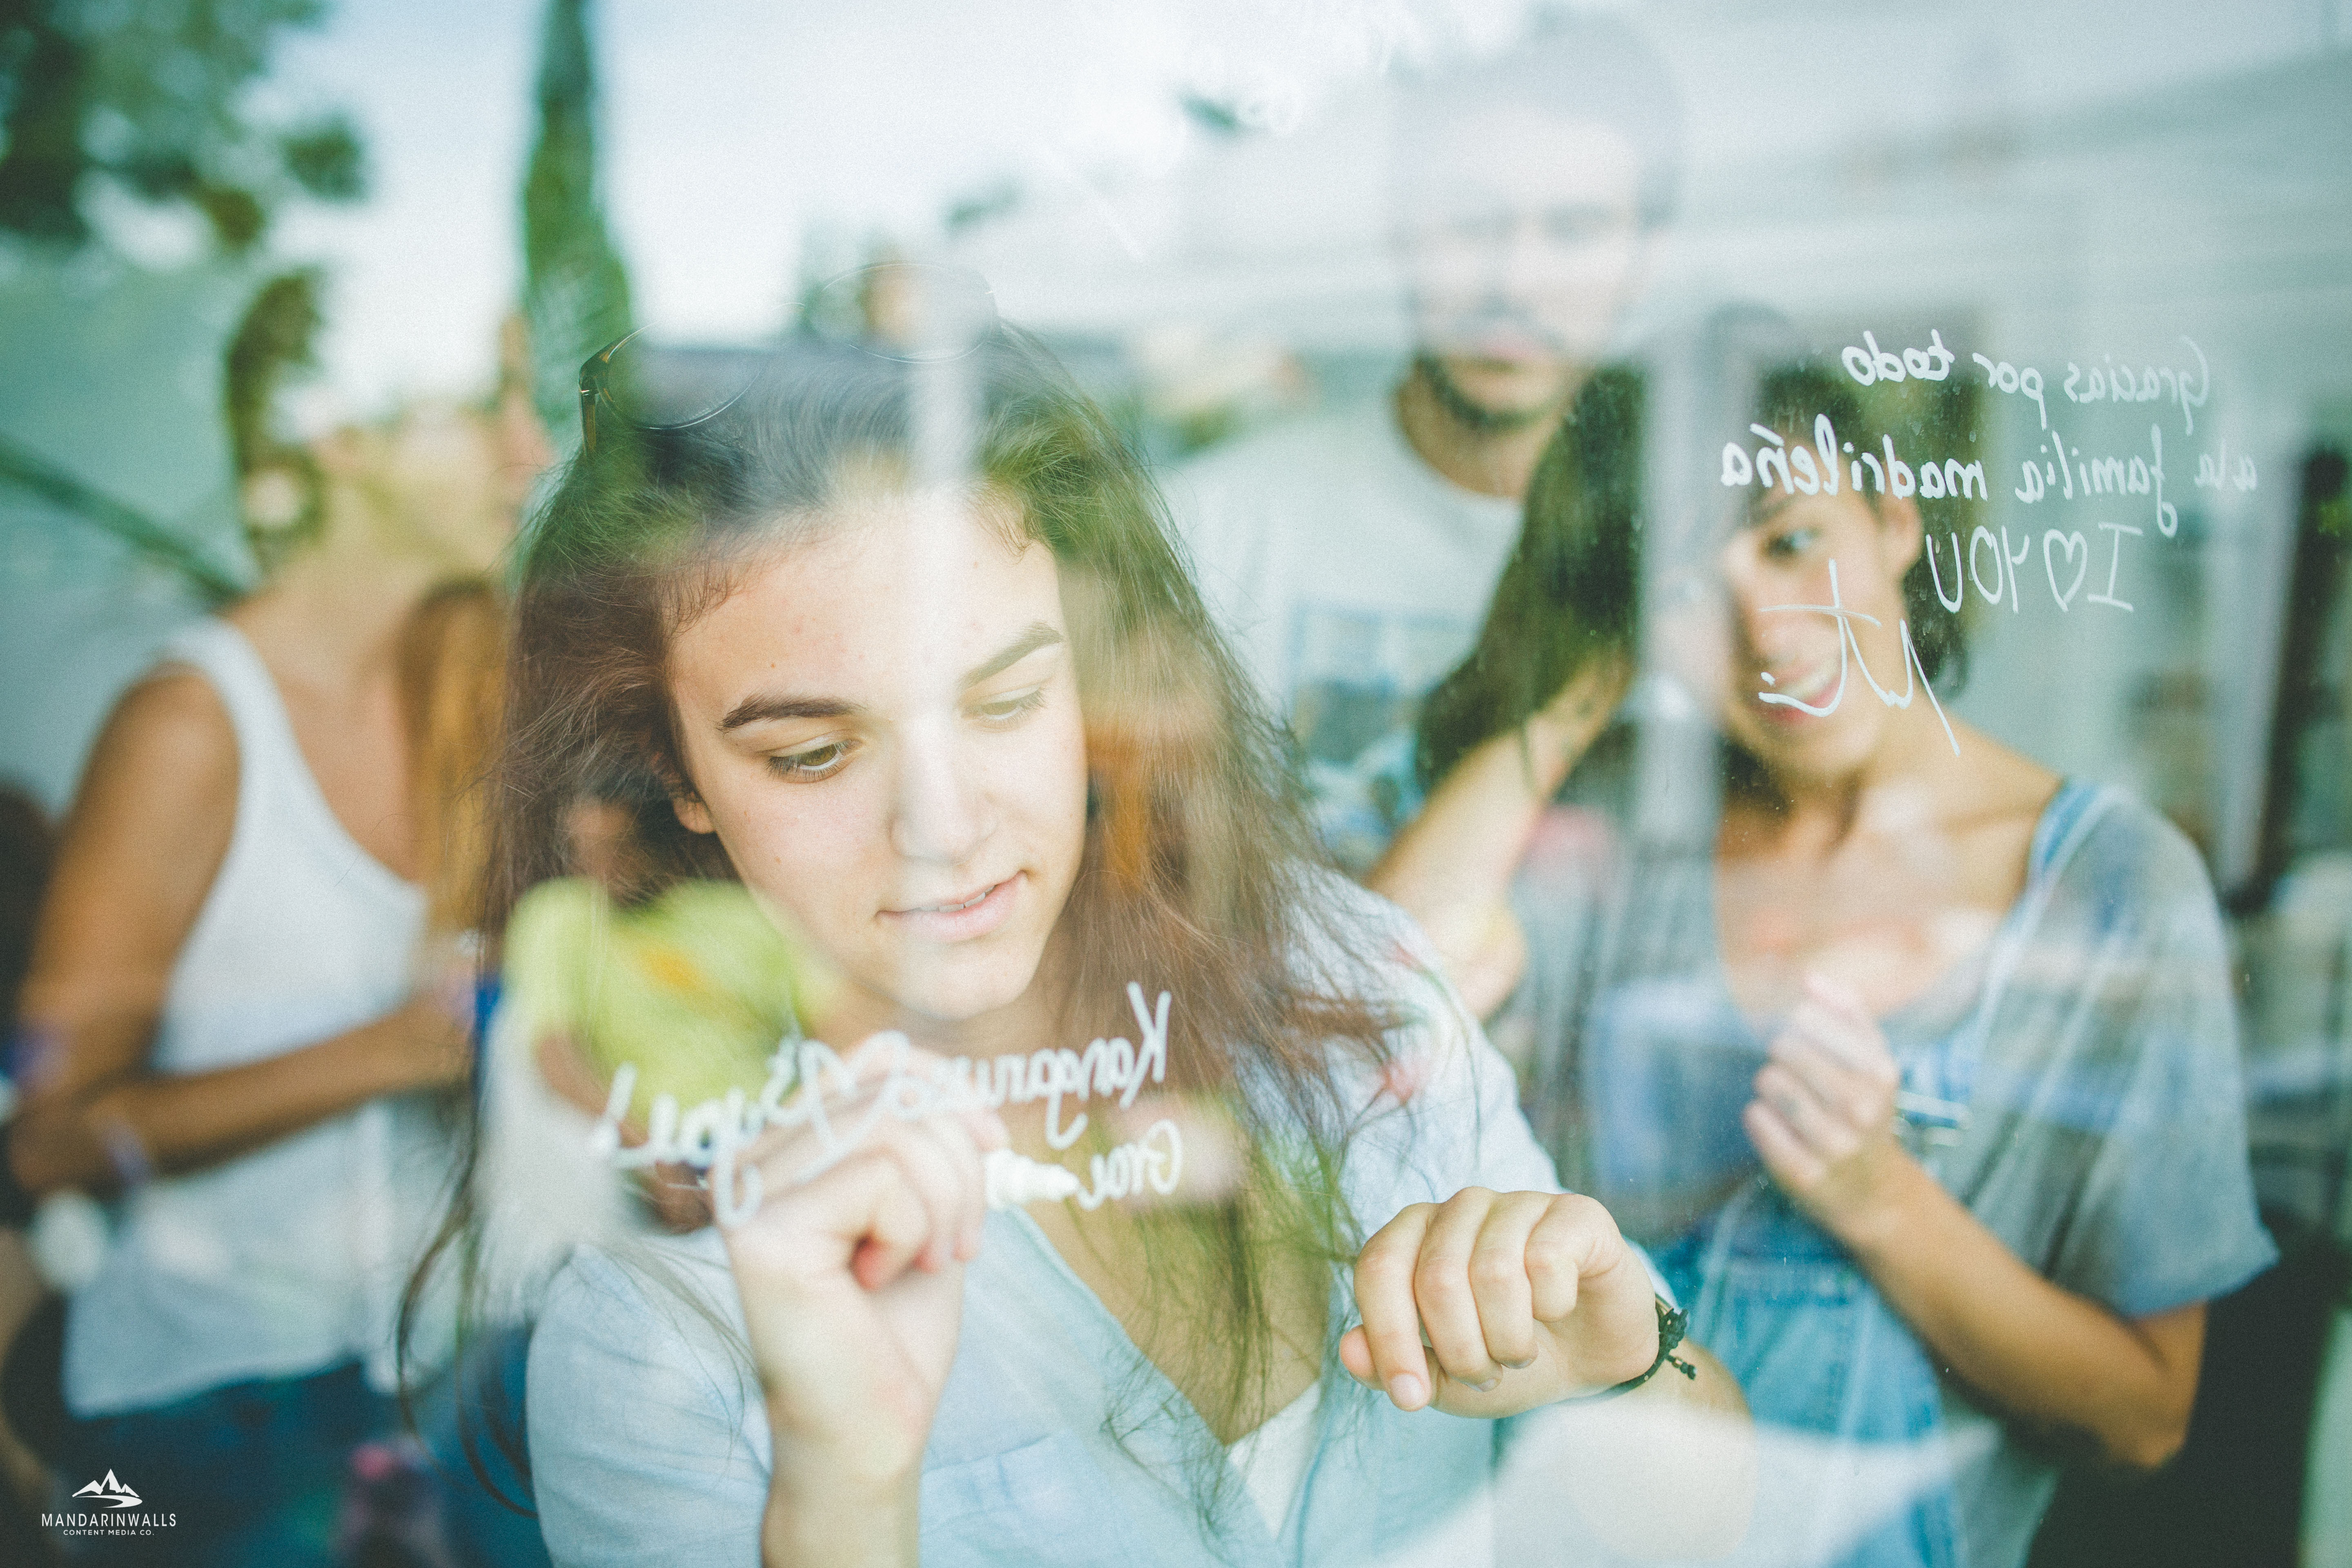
575 287
151 95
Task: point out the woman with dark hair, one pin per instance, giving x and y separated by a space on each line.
1914 1060
973 742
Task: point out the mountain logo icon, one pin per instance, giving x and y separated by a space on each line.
110 1492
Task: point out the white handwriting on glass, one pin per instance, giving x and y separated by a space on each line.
803 1076
1968 566
1800 473
2140 476
1915 679
2116 383
1866 362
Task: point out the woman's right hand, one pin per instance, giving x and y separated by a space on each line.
432 1042
1452 865
852 1284
1566 727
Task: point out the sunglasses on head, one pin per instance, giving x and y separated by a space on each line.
912 311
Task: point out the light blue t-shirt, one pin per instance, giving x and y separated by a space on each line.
1349 576
2075 1084
1056 1440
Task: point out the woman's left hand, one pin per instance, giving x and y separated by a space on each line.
1824 1115
1491 1303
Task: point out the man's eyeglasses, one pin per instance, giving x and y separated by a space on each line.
910 312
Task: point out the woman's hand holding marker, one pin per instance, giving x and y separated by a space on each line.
1824 1115
852 1284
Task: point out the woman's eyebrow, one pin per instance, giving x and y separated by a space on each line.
763 707
1039 634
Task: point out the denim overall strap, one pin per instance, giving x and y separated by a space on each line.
1949 1075
1705 1313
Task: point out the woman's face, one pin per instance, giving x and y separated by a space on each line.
1785 555
882 727
447 480
456 476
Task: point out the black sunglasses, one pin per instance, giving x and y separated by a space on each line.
912 311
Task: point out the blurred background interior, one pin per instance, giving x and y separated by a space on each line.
1190 200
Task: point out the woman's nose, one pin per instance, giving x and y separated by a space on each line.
1761 632
1767 639
942 813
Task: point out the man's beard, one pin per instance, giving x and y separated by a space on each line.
1472 414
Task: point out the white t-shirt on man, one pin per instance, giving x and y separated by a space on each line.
1352 577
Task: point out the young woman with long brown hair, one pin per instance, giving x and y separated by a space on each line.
971 735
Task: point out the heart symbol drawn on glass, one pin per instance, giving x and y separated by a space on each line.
2077 545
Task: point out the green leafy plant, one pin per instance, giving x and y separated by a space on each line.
152 97
576 286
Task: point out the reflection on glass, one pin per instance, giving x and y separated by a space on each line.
1805 551
1352 552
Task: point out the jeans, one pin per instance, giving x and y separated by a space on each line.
1819 1352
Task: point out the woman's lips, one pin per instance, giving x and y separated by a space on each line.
960 920
1809 689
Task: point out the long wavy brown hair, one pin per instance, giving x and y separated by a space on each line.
1199 875
451 658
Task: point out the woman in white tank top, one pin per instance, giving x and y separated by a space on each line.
243 1033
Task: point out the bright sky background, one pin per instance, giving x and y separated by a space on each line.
732 126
